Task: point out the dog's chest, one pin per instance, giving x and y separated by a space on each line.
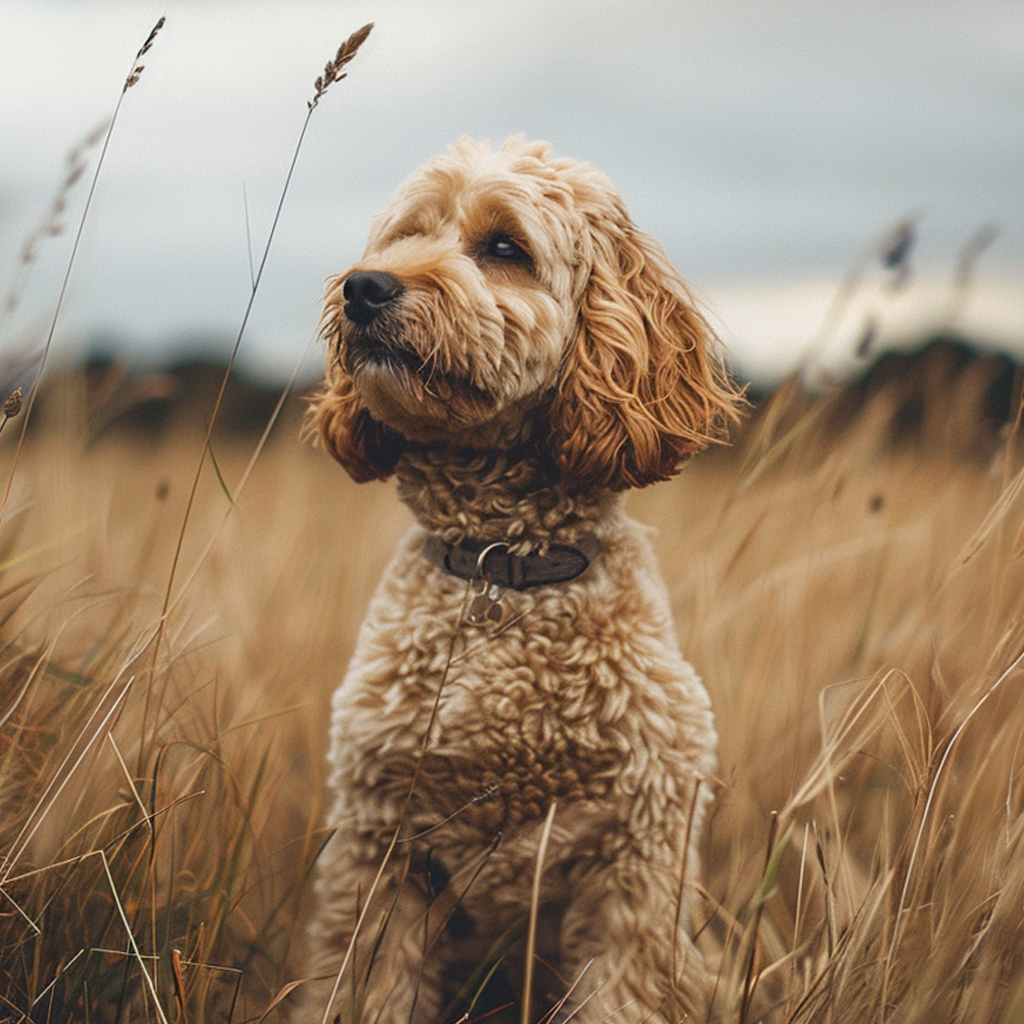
557 703
508 714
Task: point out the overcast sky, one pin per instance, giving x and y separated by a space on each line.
765 143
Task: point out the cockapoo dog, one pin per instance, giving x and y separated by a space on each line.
516 713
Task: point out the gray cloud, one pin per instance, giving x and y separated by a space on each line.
758 140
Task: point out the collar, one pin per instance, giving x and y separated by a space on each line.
493 562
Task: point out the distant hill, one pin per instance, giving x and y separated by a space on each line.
150 403
944 392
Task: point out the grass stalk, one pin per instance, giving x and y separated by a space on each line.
531 931
332 73
764 891
150 984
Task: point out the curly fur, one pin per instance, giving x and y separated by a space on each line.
513 390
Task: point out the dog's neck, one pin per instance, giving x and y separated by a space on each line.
496 496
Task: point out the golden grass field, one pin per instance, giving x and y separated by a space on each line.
854 606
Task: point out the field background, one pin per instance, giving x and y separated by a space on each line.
846 578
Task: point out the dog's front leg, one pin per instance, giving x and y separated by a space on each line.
625 945
368 943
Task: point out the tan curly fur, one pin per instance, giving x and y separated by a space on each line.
525 354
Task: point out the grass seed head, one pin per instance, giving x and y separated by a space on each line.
332 72
13 404
137 68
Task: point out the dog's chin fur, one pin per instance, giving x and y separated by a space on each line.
513 398
398 397
429 408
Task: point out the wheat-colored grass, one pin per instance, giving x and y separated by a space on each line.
856 612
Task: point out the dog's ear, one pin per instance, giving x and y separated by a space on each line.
642 387
368 449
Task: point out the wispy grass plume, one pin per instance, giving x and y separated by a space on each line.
132 79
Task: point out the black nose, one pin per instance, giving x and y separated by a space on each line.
368 292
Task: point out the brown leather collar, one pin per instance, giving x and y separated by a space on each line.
559 564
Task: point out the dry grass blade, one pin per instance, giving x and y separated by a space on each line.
933 789
286 393
10 901
764 891
333 71
64 967
531 931
150 985
66 772
280 997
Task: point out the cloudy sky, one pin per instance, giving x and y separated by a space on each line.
768 144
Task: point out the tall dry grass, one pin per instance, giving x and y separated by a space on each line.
854 607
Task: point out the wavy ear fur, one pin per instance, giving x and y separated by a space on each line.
642 388
368 449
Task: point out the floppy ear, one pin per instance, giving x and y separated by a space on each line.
642 387
368 449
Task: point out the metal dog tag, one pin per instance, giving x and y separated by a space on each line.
487 605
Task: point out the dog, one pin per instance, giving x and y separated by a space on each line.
518 747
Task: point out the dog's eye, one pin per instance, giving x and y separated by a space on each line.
500 247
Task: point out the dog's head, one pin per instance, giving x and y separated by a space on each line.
505 289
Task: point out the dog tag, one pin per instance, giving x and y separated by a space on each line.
487 606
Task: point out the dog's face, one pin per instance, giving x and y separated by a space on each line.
464 299
504 286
